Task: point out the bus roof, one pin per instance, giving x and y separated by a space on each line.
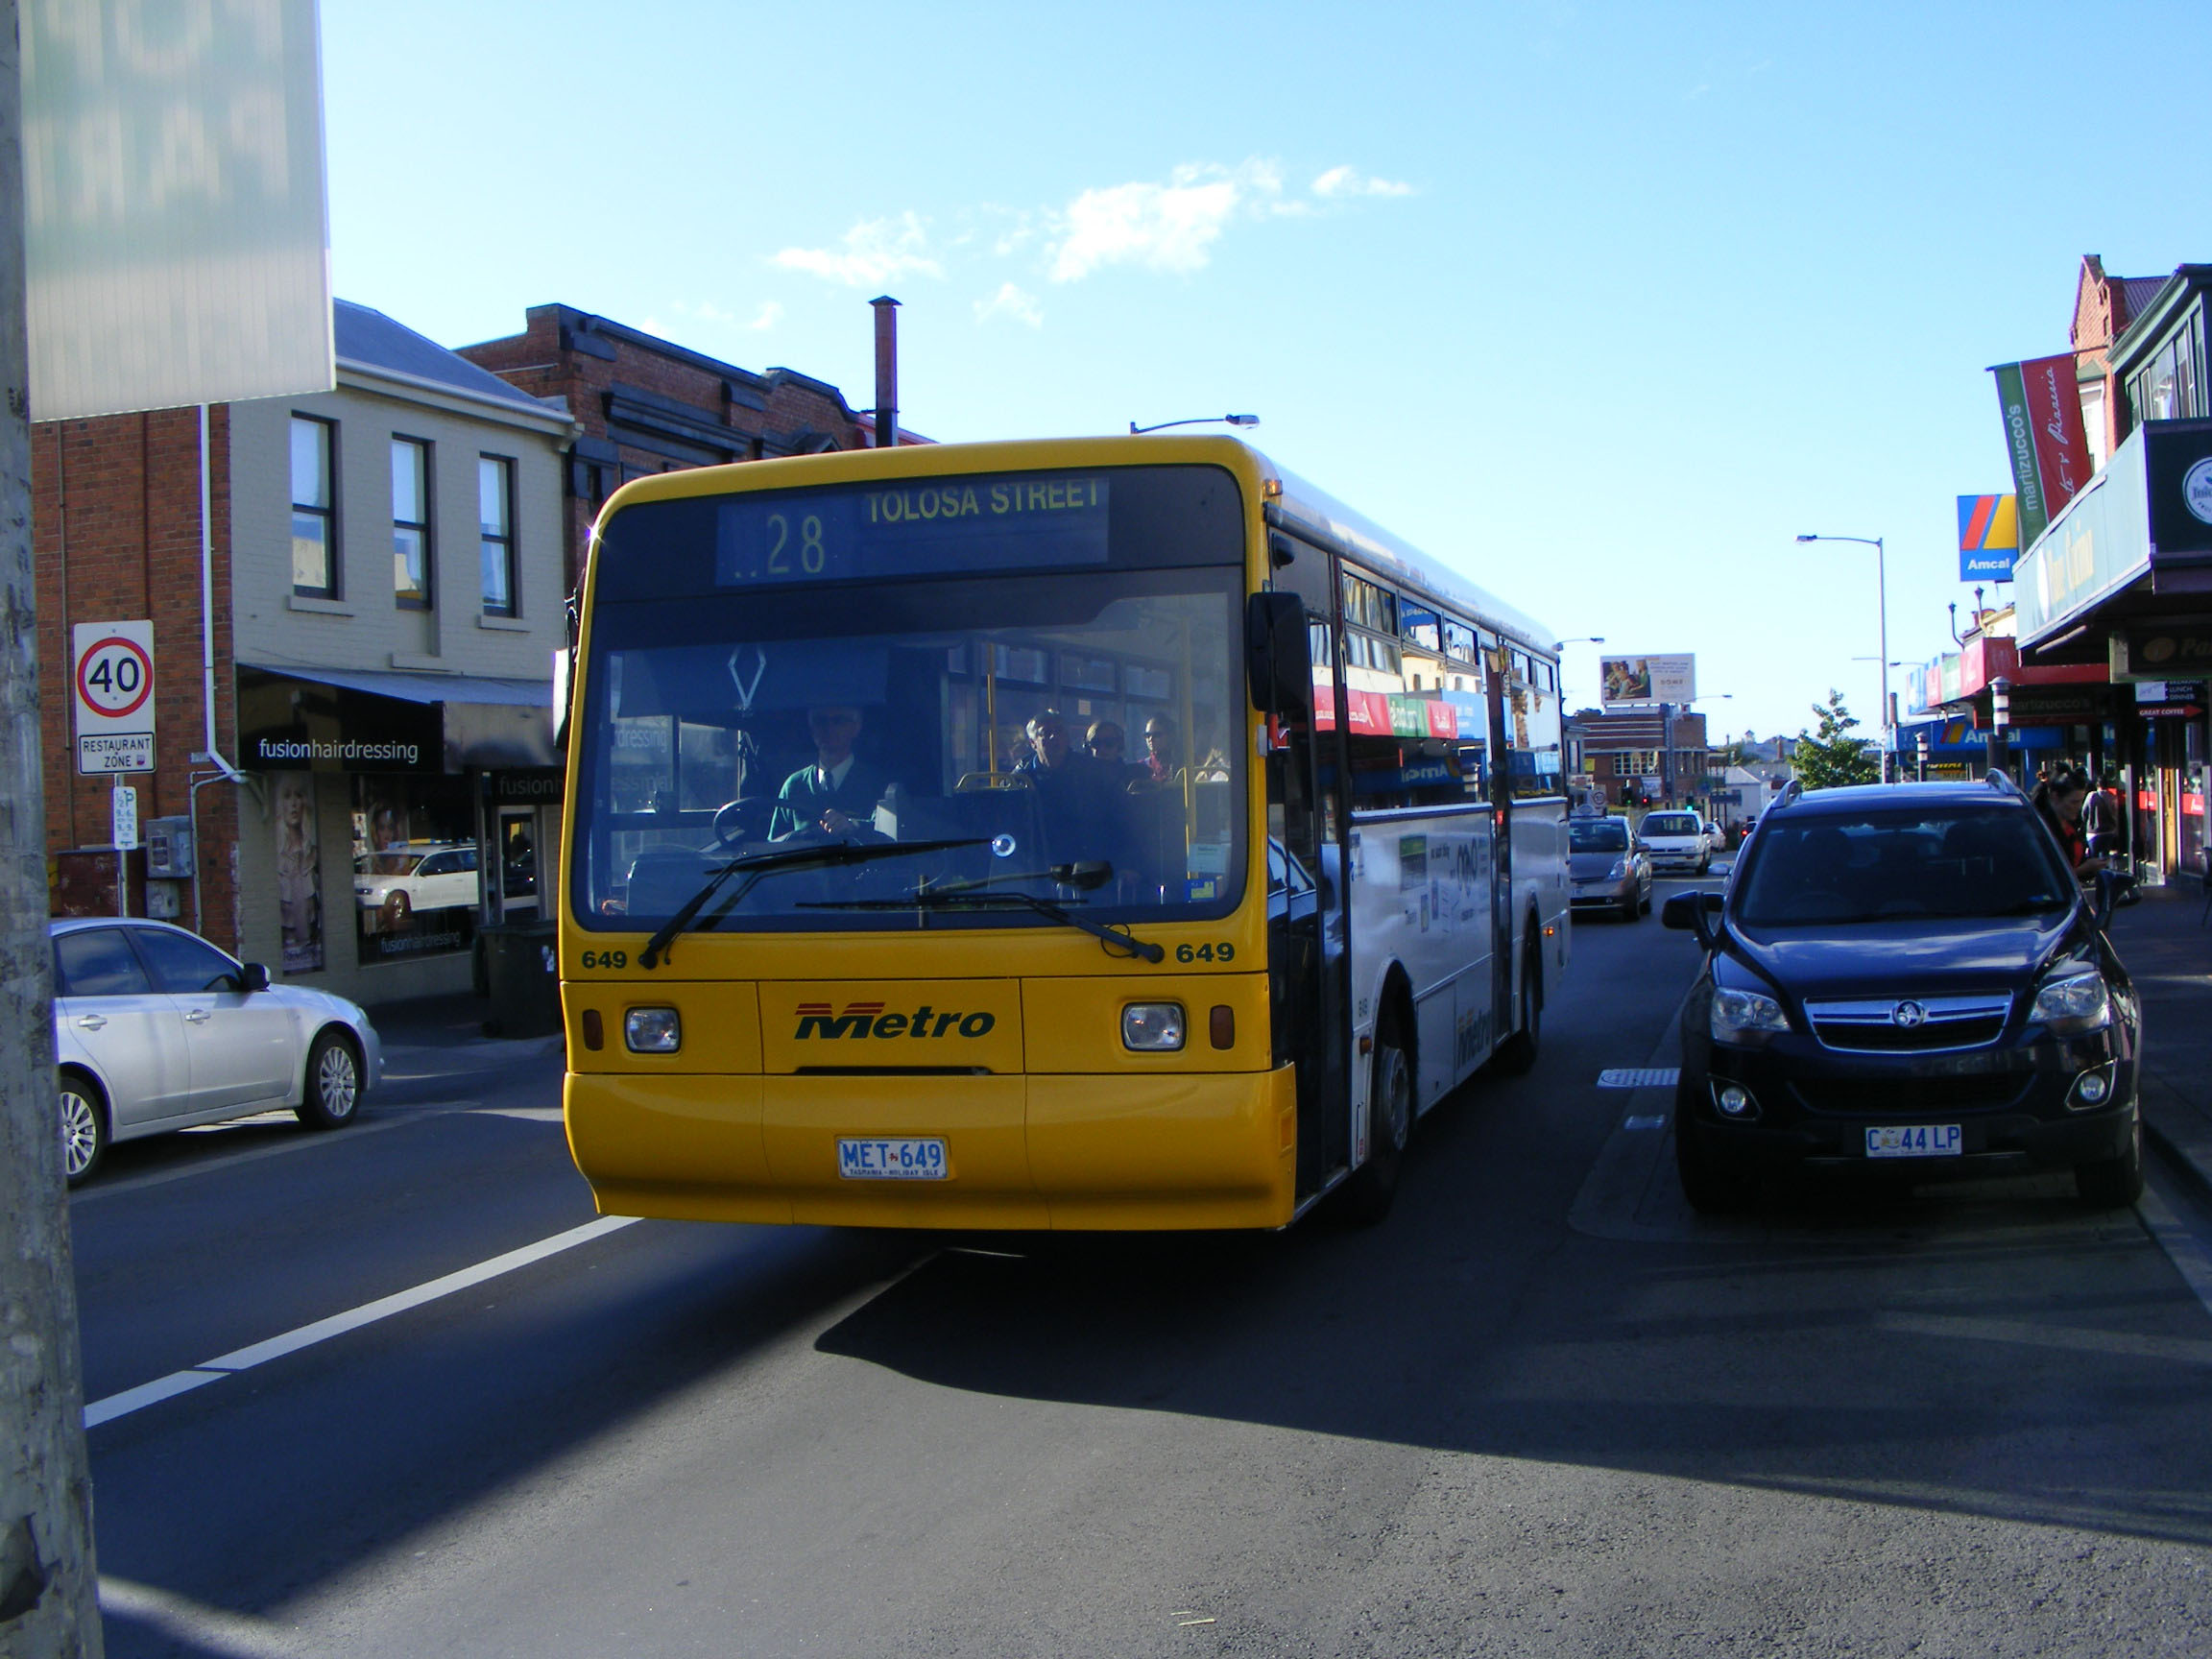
1322 515
1311 511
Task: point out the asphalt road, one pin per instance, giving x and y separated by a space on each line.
1541 1410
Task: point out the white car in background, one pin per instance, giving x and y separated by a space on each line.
155 1029
1675 841
418 876
1716 837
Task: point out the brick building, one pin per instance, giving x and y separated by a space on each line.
1627 756
386 563
646 406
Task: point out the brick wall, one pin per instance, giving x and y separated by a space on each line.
116 505
563 352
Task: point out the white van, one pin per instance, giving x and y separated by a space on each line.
1675 841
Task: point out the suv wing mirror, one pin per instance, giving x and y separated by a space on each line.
1693 913
2112 885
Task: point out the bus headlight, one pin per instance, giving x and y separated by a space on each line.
652 1031
1152 1027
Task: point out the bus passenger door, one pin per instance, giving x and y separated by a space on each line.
1497 764
1306 931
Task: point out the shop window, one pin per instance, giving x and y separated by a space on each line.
314 508
417 886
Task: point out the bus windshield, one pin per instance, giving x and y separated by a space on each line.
1075 734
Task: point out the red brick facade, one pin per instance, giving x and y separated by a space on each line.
115 508
647 405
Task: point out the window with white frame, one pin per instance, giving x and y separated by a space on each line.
496 534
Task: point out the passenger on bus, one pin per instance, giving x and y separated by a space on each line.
1108 746
1078 798
1159 763
839 792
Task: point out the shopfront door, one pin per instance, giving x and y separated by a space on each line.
518 863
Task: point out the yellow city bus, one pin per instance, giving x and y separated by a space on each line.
864 922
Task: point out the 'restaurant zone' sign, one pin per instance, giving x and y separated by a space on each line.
113 678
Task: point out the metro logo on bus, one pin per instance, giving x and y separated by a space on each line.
869 1019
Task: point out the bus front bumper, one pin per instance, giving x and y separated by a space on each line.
1025 1151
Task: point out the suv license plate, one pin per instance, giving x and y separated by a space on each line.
896 1160
1914 1140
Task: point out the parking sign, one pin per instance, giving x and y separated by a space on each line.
114 679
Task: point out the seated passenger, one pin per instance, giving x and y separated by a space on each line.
839 792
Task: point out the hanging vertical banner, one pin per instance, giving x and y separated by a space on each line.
175 242
2044 437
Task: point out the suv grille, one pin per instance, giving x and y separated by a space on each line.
1892 1096
1909 1024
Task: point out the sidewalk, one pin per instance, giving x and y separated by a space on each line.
2170 959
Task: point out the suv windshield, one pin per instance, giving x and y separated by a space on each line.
1597 836
1810 869
1086 713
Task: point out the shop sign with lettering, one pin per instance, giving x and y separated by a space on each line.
2180 455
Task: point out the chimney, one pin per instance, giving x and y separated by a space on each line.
886 371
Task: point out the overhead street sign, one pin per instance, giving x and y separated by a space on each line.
113 679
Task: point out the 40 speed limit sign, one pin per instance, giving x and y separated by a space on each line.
114 683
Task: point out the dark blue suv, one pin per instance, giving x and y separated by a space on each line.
1906 976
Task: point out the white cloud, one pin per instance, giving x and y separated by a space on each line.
1351 182
771 314
1011 301
1168 227
875 252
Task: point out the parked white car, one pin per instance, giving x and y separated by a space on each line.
1675 841
1716 837
418 876
155 1029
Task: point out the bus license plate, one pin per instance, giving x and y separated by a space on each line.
900 1159
1914 1140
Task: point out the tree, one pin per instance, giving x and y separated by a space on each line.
1830 756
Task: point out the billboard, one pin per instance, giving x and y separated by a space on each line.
1633 682
175 235
1988 536
2043 434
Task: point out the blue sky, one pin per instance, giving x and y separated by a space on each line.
1601 302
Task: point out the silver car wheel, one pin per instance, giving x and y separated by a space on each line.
80 1131
337 1081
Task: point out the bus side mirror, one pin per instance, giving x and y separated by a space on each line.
1278 660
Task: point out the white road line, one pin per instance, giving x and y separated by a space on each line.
239 1360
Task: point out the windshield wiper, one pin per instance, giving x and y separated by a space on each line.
963 897
756 866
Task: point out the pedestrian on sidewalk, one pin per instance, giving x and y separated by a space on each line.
2058 799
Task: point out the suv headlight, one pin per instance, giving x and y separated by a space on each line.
1746 1017
2078 1002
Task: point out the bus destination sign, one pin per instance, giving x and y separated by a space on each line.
939 526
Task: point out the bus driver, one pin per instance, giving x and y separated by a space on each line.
839 792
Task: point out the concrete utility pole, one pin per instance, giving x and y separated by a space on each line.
48 1588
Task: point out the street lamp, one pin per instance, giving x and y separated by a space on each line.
1196 421
1882 600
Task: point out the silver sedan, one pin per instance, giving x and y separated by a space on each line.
155 1029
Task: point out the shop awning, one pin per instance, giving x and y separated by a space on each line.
378 719
416 687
